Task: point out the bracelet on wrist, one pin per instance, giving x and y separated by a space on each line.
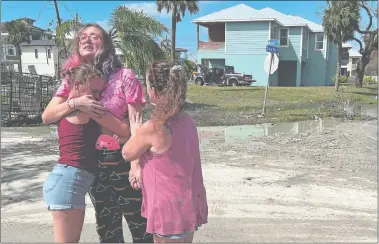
68 103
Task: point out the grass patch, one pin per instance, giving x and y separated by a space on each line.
211 105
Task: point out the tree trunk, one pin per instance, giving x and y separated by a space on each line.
365 59
19 60
173 34
338 72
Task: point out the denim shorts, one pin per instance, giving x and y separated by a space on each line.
66 187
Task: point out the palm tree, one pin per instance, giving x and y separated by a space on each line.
339 21
178 9
64 30
67 27
137 35
64 43
18 32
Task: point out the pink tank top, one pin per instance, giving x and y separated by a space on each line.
174 197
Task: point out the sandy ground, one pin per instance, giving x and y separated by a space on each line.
304 182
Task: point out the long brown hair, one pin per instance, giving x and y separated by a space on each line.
105 61
170 86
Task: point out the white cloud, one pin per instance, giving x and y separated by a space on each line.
149 8
104 24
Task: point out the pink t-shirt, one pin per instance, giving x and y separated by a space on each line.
122 89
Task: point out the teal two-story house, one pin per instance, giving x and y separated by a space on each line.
238 36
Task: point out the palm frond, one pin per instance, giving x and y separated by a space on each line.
137 34
66 28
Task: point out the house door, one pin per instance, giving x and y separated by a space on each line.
287 73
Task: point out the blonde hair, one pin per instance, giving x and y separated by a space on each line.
83 74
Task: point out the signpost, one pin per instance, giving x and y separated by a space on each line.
272 48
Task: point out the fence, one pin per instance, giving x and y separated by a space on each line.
24 96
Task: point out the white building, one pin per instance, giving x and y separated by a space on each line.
354 57
38 56
350 58
8 55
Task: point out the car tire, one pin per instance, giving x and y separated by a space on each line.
199 81
233 82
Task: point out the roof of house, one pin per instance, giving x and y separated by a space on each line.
282 18
314 27
346 45
26 18
39 43
354 53
242 12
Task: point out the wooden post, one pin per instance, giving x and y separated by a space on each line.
198 38
59 24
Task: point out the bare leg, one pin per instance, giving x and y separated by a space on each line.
68 225
187 239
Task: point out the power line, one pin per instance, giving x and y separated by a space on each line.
68 10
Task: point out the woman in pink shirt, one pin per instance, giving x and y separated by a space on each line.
122 97
174 197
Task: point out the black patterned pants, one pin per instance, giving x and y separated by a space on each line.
113 197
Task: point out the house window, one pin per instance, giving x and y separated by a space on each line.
36 36
274 32
36 53
319 41
305 39
355 60
345 54
283 35
11 51
49 53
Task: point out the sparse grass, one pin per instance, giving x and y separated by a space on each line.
211 105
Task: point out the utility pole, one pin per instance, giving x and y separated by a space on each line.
59 24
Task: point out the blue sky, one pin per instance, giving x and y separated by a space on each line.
100 12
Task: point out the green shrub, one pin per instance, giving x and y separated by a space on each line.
342 79
368 80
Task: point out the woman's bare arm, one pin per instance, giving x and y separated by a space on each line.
58 108
55 110
133 110
139 143
113 124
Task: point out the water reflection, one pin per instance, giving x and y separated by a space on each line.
231 134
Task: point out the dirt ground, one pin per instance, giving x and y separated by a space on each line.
299 182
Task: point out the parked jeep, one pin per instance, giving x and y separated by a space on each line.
221 76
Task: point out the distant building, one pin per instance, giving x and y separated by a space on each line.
8 55
39 56
350 58
238 36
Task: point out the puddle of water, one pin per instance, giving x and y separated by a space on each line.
232 134
369 110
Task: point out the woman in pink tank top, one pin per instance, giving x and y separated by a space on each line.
174 197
